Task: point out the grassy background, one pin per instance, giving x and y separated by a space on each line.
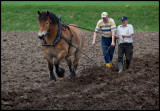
22 15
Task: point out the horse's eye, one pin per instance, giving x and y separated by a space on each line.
47 23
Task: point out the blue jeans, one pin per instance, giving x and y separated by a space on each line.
105 43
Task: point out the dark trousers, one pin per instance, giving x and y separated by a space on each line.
127 49
107 53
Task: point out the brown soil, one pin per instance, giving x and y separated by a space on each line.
25 75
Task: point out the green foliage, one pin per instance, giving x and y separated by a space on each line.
18 15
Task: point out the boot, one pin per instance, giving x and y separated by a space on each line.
108 65
120 66
127 64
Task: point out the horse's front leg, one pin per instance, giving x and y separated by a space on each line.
60 71
50 66
52 77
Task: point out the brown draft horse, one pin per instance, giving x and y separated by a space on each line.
49 33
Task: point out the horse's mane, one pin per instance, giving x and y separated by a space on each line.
43 16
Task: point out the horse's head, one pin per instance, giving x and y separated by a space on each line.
46 19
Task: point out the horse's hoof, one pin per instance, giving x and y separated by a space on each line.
52 78
72 75
61 73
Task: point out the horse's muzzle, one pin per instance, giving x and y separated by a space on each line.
41 36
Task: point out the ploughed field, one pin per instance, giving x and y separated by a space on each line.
25 75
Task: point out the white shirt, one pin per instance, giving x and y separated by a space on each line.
128 29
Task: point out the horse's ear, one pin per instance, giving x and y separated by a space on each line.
48 16
39 12
48 13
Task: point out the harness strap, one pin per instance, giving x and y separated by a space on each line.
71 34
67 40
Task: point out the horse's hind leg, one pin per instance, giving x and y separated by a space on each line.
72 70
77 57
69 63
75 64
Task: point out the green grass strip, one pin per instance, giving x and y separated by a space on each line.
19 15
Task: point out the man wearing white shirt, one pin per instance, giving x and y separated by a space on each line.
124 34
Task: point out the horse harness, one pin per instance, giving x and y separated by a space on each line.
59 36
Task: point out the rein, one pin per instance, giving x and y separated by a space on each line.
82 28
